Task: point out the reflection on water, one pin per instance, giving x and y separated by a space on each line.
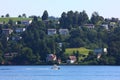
37 69
65 73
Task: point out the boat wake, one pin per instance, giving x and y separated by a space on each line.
37 69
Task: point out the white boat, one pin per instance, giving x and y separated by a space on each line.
55 67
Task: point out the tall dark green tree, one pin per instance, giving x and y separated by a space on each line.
19 16
83 18
75 18
7 15
26 56
10 22
1 57
2 16
0 29
96 19
113 44
70 16
24 15
35 18
63 20
45 15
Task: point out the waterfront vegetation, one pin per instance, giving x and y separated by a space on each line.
33 44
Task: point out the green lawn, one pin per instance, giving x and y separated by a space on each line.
14 19
81 50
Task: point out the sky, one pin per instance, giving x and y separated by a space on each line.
105 8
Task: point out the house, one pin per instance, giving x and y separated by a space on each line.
10 55
57 22
60 45
1 23
20 30
71 59
26 22
7 55
105 26
52 31
63 31
7 38
16 38
59 61
112 24
100 51
90 26
46 21
7 31
51 57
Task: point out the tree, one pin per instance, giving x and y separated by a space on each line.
83 18
96 19
0 29
24 15
70 16
77 55
27 56
2 16
10 22
19 16
7 15
77 38
63 20
75 18
1 57
113 43
35 18
45 15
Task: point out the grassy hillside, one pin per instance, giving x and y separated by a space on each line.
14 19
81 50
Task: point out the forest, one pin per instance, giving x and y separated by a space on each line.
31 46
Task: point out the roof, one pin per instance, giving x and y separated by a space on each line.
72 57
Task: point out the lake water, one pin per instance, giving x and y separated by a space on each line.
65 73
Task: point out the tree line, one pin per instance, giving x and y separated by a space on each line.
36 43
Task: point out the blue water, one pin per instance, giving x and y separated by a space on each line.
65 73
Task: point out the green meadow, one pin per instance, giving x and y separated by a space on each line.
14 19
81 50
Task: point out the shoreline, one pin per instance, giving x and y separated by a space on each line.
60 65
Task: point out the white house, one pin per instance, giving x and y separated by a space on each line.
1 23
51 57
52 31
26 22
90 26
63 31
19 30
60 44
100 51
71 60
10 55
105 26
7 31
16 38
112 24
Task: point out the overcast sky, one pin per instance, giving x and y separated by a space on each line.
105 8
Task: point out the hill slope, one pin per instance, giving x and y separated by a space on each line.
14 19
81 50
